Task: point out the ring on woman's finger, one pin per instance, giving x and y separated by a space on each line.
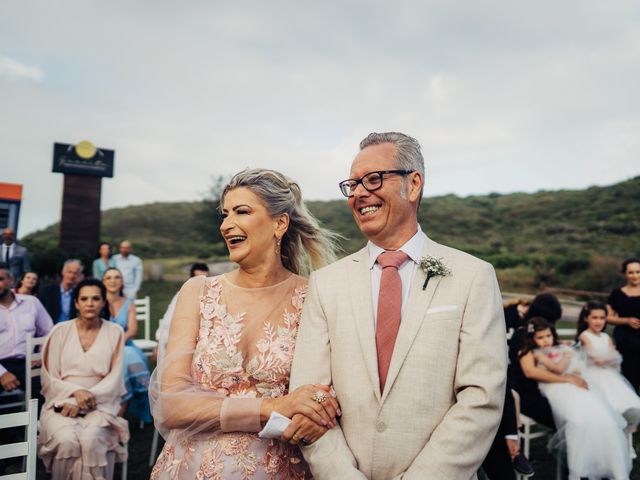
304 441
295 438
319 396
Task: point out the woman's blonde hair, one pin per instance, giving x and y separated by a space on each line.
305 246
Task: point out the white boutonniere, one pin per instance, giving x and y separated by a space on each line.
433 267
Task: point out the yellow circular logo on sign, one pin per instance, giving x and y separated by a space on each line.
85 150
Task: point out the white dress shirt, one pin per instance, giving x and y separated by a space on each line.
4 253
131 269
25 317
413 248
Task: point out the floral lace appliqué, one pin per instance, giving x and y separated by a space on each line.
219 365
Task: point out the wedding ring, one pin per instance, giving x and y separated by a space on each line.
295 438
319 396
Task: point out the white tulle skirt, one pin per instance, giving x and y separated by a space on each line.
590 434
618 392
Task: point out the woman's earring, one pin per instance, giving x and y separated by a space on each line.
278 242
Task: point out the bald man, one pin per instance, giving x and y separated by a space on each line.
14 255
131 268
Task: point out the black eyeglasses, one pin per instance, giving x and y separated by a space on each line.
372 181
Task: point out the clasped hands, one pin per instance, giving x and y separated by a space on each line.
85 401
311 413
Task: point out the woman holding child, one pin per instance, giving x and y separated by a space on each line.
588 429
231 343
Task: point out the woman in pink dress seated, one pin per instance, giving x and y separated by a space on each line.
81 435
232 338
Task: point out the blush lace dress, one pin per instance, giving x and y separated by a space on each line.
241 352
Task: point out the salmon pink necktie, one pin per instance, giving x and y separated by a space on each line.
389 309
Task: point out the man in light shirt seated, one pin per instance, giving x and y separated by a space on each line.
20 316
162 333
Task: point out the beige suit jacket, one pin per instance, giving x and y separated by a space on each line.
442 402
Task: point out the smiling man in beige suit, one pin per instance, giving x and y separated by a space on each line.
418 367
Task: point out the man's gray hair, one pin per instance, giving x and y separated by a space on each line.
72 260
408 152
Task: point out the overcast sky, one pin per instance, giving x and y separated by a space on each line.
503 96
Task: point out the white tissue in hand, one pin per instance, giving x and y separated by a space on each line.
275 426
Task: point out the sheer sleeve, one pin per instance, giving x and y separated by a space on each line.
181 406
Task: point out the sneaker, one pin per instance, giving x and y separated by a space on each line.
522 465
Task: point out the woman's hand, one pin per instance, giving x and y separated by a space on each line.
302 430
633 322
305 400
85 399
69 410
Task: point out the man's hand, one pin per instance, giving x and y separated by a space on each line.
9 381
302 430
85 399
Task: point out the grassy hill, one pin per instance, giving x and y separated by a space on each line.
573 239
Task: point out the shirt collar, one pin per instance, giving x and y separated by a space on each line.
413 248
17 301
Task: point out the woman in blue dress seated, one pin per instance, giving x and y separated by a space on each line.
122 311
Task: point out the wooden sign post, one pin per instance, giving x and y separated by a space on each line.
83 166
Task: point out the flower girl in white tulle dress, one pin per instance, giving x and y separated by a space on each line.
602 370
588 429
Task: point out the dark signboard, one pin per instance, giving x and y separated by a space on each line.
83 159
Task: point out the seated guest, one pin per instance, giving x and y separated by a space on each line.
103 260
20 316
28 284
57 298
532 403
81 434
162 334
122 312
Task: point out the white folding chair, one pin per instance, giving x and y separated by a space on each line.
16 398
23 395
28 419
529 429
143 314
30 356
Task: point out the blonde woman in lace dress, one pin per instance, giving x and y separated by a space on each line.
231 343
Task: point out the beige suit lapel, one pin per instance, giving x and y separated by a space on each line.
359 285
414 312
